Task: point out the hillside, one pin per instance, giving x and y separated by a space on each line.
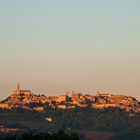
112 115
27 100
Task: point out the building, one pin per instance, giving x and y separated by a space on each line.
62 106
102 106
19 91
104 94
49 119
4 105
39 108
61 99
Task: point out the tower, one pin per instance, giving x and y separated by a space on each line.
18 87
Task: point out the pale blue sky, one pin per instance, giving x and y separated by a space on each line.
52 46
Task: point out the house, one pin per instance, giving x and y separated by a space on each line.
38 109
62 106
49 119
4 105
61 99
104 94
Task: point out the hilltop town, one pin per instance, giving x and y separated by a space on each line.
27 100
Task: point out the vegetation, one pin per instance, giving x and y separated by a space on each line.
127 136
110 119
60 135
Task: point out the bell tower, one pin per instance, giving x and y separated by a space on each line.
18 87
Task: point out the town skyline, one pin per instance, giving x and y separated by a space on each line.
26 99
20 87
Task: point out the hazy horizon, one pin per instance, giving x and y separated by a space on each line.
56 46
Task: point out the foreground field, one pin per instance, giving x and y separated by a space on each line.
89 123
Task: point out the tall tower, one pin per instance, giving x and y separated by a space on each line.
18 87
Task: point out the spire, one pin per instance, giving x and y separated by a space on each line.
18 87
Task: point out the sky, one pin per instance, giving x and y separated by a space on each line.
54 46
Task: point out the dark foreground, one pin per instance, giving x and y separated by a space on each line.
77 124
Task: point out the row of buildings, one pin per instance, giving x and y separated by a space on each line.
28 100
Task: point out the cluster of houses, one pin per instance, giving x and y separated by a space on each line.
30 101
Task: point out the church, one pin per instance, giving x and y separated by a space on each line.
19 91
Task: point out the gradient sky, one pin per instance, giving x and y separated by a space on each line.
54 46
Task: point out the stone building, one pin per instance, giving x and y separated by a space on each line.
4 105
19 91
